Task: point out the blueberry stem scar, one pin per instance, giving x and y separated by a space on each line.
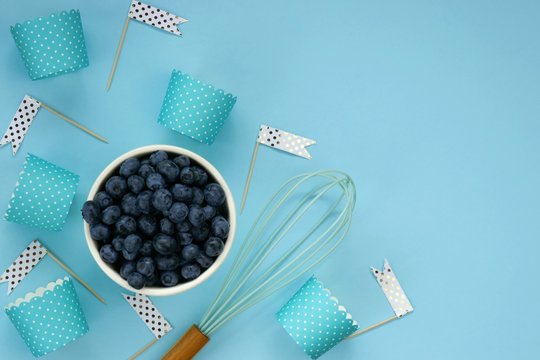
73 122
72 273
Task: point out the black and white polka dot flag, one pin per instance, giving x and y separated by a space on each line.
392 290
284 141
148 313
21 122
23 264
158 18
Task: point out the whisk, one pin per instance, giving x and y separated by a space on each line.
271 256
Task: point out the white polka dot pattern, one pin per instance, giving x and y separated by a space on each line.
315 320
148 313
23 264
43 195
195 109
392 290
53 45
156 17
285 141
50 318
20 124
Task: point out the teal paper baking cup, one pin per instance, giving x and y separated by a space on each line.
315 319
195 109
49 318
43 195
52 45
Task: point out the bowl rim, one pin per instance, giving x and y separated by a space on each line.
177 289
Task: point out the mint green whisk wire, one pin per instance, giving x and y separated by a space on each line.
235 296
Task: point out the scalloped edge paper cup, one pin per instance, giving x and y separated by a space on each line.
180 288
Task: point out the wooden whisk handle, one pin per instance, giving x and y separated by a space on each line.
188 346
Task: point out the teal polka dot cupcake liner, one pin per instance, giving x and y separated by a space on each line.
195 109
315 319
49 318
43 195
53 45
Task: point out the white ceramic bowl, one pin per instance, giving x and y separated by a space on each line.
229 203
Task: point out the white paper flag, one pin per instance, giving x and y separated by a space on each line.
156 17
23 264
148 313
20 124
284 141
392 290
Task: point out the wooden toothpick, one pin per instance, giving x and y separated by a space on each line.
250 173
118 50
73 122
374 326
138 353
72 273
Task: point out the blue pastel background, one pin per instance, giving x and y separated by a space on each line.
432 107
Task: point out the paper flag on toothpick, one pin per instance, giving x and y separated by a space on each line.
284 141
158 18
148 313
392 290
23 264
21 122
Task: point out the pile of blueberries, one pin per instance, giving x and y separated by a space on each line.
160 220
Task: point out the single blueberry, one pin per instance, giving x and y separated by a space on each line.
165 244
116 186
198 196
146 266
147 249
184 238
204 260
126 225
169 278
196 215
187 176
136 184
178 212
182 161
153 280
144 201
103 199
147 224
155 181
132 243
201 176
166 226
220 227
111 215
100 232
201 233
108 254
136 280
184 226
167 262
162 200
91 212
168 169
145 170
118 243
158 157
129 255
214 194
127 268
182 193
213 247
209 212
129 167
190 252
190 271
129 205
